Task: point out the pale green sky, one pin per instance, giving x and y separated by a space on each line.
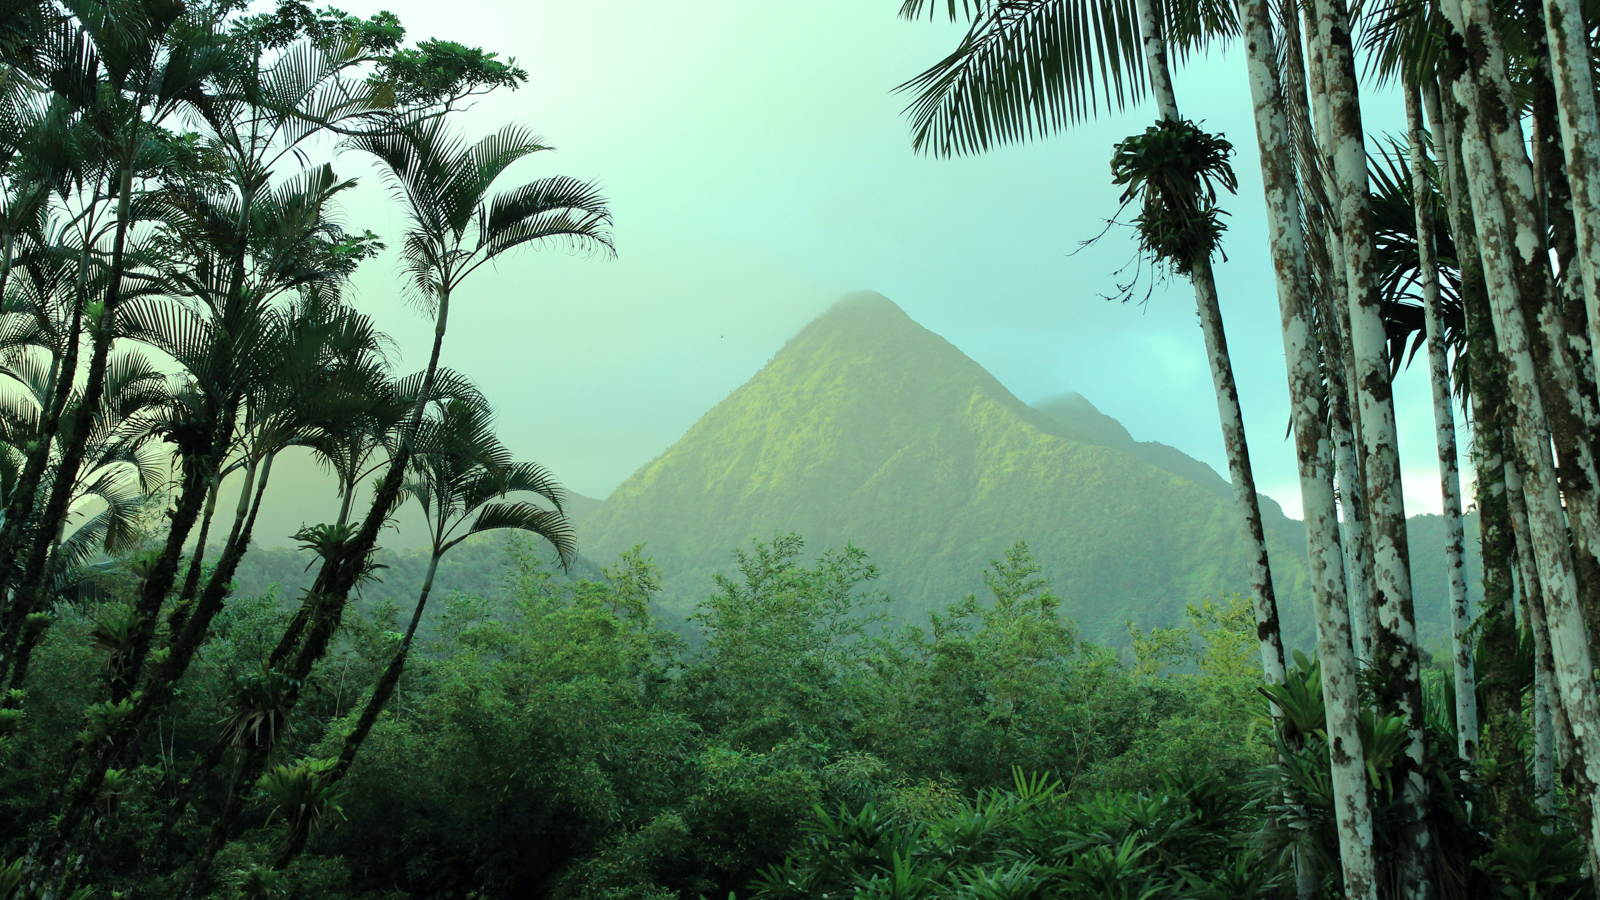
759 167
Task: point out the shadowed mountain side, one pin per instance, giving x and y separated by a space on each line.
1081 421
867 428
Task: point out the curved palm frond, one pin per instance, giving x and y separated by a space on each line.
551 525
1025 69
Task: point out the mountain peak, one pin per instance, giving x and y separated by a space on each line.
868 429
865 302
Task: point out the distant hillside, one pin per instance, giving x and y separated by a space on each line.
867 428
1425 533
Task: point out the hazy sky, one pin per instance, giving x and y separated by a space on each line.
759 167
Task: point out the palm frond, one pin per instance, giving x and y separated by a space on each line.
1025 69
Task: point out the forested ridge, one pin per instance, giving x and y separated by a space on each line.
175 313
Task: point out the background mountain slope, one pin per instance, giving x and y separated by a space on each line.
867 428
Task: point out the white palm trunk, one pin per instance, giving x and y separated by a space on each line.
1395 654
1336 338
1545 709
1569 642
1262 596
1444 423
1263 600
1568 45
1352 802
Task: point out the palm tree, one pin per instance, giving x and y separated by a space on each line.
1498 489
461 478
1352 801
148 62
231 247
456 227
1537 393
1444 428
1019 74
1394 652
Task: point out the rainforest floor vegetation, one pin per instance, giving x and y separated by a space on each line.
555 741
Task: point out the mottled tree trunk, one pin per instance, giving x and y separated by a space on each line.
1395 658
1544 723
1569 57
1501 715
1444 423
1352 801
1326 251
1547 525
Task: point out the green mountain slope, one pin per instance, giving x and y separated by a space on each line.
867 428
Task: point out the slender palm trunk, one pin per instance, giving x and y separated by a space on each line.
1395 655
344 504
1445 434
1154 44
1352 802
1501 714
1544 772
1263 600
1569 57
191 578
1339 359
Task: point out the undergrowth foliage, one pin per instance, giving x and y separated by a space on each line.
553 739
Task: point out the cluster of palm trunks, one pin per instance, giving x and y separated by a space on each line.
1474 234
173 262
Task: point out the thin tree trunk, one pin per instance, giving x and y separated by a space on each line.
191 578
1263 601
1569 56
1554 203
1544 772
1445 434
1346 412
1395 656
1352 802
1501 714
1154 45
